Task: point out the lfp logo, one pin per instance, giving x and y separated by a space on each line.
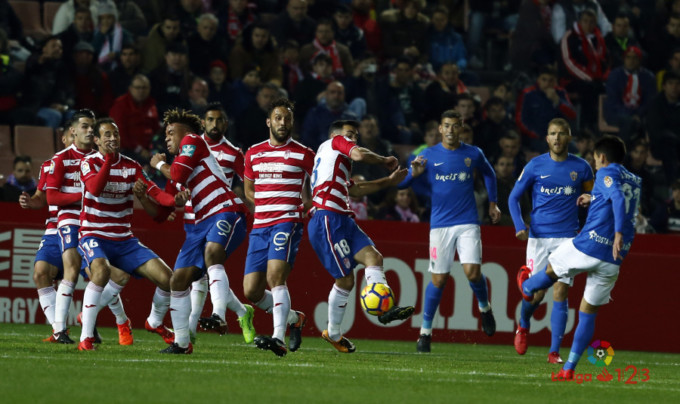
600 353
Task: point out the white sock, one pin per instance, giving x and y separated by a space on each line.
425 331
337 303
110 297
118 310
292 317
159 306
375 274
267 302
180 305
235 305
281 309
93 294
62 304
219 289
48 298
199 291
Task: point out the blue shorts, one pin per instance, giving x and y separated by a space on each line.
278 242
127 255
50 252
336 239
227 229
68 237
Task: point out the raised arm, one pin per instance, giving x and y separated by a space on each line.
368 187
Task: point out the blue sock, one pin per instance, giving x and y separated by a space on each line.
433 295
481 291
528 310
538 281
558 323
582 336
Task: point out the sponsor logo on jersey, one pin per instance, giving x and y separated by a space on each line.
461 176
567 190
188 150
468 161
608 181
573 175
51 169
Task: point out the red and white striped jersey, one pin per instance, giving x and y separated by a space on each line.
64 176
108 215
231 160
278 174
332 175
51 222
197 169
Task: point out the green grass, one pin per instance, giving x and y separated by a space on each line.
224 369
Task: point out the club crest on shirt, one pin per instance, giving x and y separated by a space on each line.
573 175
608 181
124 173
188 150
468 161
85 167
346 262
286 155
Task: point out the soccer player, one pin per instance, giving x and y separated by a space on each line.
64 190
454 224
276 173
598 249
555 180
336 238
220 227
109 179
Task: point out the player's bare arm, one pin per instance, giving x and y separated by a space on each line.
368 187
494 212
249 189
306 195
37 201
522 235
366 156
584 200
618 246
160 163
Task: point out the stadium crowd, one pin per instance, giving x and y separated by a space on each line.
507 66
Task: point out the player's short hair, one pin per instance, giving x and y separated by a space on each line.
21 159
81 113
450 114
562 123
338 125
183 117
613 148
215 106
102 121
281 102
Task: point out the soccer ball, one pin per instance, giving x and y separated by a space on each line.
377 299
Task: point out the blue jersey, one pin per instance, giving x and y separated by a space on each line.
449 177
555 187
616 198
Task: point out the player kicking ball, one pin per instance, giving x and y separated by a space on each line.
598 249
335 237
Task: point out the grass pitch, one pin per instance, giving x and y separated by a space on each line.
224 369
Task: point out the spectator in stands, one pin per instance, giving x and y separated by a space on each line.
170 82
400 205
251 125
364 16
219 90
666 219
235 18
510 145
663 124
205 46
67 11
324 42
567 12
585 142
584 57
293 23
81 29
359 204
10 83
47 93
310 90
404 30
152 10
494 124
401 104
466 107
331 108
292 72
618 40
630 90
137 118
499 16
256 47
445 44
370 138
122 75
90 82
636 163
21 180
131 17
504 167
442 93
244 90
160 37
532 44
198 95
363 83
10 23
539 104
347 33
188 12
109 38
662 47
673 63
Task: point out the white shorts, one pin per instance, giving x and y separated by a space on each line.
538 250
465 238
566 260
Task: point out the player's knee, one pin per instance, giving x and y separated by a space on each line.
214 254
560 291
346 283
252 293
119 277
538 297
374 258
42 276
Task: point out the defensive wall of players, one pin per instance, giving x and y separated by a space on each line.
644 316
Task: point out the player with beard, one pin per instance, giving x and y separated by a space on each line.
276 178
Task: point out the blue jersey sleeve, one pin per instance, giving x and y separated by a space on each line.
524 182
489 176
618 204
